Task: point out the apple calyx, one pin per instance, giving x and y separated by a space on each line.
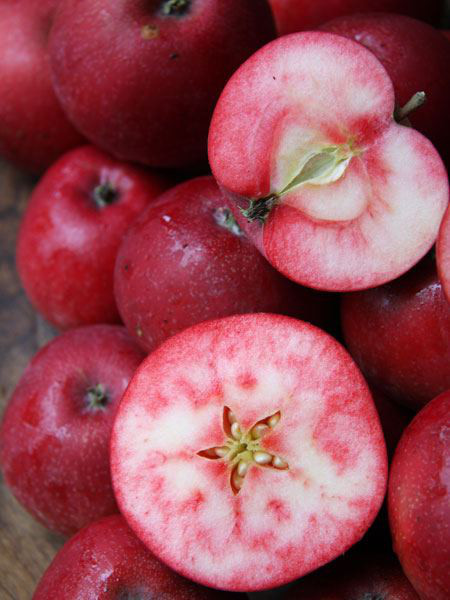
224 218
96 398
243 449
104 195
174 7
401 112
317 168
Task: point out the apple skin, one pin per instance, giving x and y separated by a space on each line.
34 131
142 85
106 561
366 575
68 243
417 58
419 503
54 447
399 334
177 267
300 15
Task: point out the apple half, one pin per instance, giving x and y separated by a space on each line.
247 452
332 190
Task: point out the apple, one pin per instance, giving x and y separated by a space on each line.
334 193
140 79
54 439
34 131
298 15
185 260
419 502
399 334
247 452
106 561
394 418
416 57
71 232
366 575
443 254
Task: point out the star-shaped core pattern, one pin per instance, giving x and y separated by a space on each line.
243 449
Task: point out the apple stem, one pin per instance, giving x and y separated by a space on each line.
96 398
174 7
224 218
104 195
259 208
413 103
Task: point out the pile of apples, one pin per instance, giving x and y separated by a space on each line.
242 350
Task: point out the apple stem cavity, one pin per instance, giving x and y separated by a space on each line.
402 112
242 449
96 398
224 218
104 195
317 168
175 8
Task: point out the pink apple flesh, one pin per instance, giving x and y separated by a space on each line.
304 130
247 452
443 254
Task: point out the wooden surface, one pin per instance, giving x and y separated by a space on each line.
26 548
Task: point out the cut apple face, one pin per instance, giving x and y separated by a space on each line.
443 254
247 452
333 191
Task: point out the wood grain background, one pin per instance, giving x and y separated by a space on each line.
26 548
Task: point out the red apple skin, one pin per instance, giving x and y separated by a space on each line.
177 267
106 561
109 59
34 131
399 334
356 576
54 448
416 56
68 243
393 418
418 500
300 15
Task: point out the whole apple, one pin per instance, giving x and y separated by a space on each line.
185 260
247 452
106 561
140 79
443 254
71 231
34 131
419 500
359 575
54 439
334 193
416 57
299 15
399 334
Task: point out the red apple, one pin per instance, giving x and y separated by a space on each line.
399 334
419 500
443 254
106 561
299 15
54 440
71 231
247 452
140 79
356 576
393 418
416 57
186 260
34 131
335 194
